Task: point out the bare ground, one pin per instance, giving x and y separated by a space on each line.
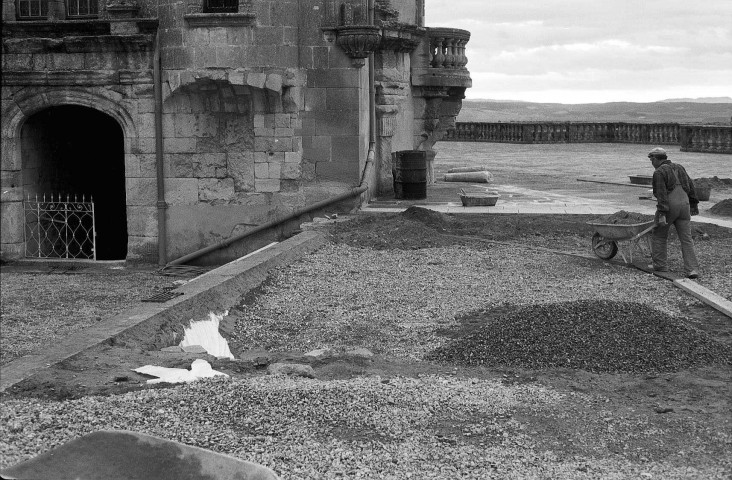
602 413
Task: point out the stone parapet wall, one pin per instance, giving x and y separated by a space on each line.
692 138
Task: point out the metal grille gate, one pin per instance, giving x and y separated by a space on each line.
59 227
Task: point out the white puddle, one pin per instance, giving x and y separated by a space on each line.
199 369
206 334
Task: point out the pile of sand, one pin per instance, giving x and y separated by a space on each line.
723 208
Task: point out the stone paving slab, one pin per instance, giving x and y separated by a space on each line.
126 455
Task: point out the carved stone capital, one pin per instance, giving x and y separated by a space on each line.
358 41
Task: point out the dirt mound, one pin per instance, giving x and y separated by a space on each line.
597 336
624 218
713 182
722 208
426 216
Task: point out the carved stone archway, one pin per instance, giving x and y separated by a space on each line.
17 109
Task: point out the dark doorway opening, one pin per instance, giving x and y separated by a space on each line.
73 150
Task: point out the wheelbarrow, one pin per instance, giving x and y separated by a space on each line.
610 239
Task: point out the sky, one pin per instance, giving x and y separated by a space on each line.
593 51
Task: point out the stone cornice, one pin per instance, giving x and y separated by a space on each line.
79 77
79 44
72 28
246 19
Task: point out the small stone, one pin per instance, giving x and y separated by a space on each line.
320 353
194 349
663 410
360 352
173 349
294 369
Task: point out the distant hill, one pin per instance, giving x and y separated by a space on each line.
700 100
655 112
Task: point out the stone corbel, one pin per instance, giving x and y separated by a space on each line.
358 41
403 39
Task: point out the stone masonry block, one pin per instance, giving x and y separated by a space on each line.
276 157
315 99
269 36
256 80
148 162
282 120
215 189
275 170
209 165
241 169
345 78
337 123
291 171
259 120
346 149
293 157
267 185
68 61
132 165
269 121
264 132
178 165
179 145
284 132
146 125
217 36
237 78
337 171
142 221
261 157
261 170
181 191
11 222
342 98
273 82
141 191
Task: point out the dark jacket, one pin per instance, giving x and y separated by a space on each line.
664 181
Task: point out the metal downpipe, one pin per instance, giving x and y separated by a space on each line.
161 204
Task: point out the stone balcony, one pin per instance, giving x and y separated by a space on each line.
439 62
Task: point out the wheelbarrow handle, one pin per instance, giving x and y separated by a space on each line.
649 229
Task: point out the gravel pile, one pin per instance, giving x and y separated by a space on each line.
713 182
624 218
392 302
722 208
596 335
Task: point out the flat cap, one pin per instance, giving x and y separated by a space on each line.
658 151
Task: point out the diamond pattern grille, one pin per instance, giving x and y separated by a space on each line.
59 227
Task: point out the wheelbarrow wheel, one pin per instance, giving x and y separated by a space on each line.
605 249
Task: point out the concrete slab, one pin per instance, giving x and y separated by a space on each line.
216 290
125 455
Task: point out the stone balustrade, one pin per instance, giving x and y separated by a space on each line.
706 138
692 138
447 47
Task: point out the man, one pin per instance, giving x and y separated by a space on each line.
677 202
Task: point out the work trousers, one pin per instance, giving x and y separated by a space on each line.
679 216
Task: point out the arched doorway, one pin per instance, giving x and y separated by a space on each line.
78 151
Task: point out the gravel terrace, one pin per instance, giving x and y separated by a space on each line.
419 290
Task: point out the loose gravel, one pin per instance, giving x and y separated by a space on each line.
430 427
38 309
394 301
597 336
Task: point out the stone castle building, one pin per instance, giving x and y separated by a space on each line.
191 121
